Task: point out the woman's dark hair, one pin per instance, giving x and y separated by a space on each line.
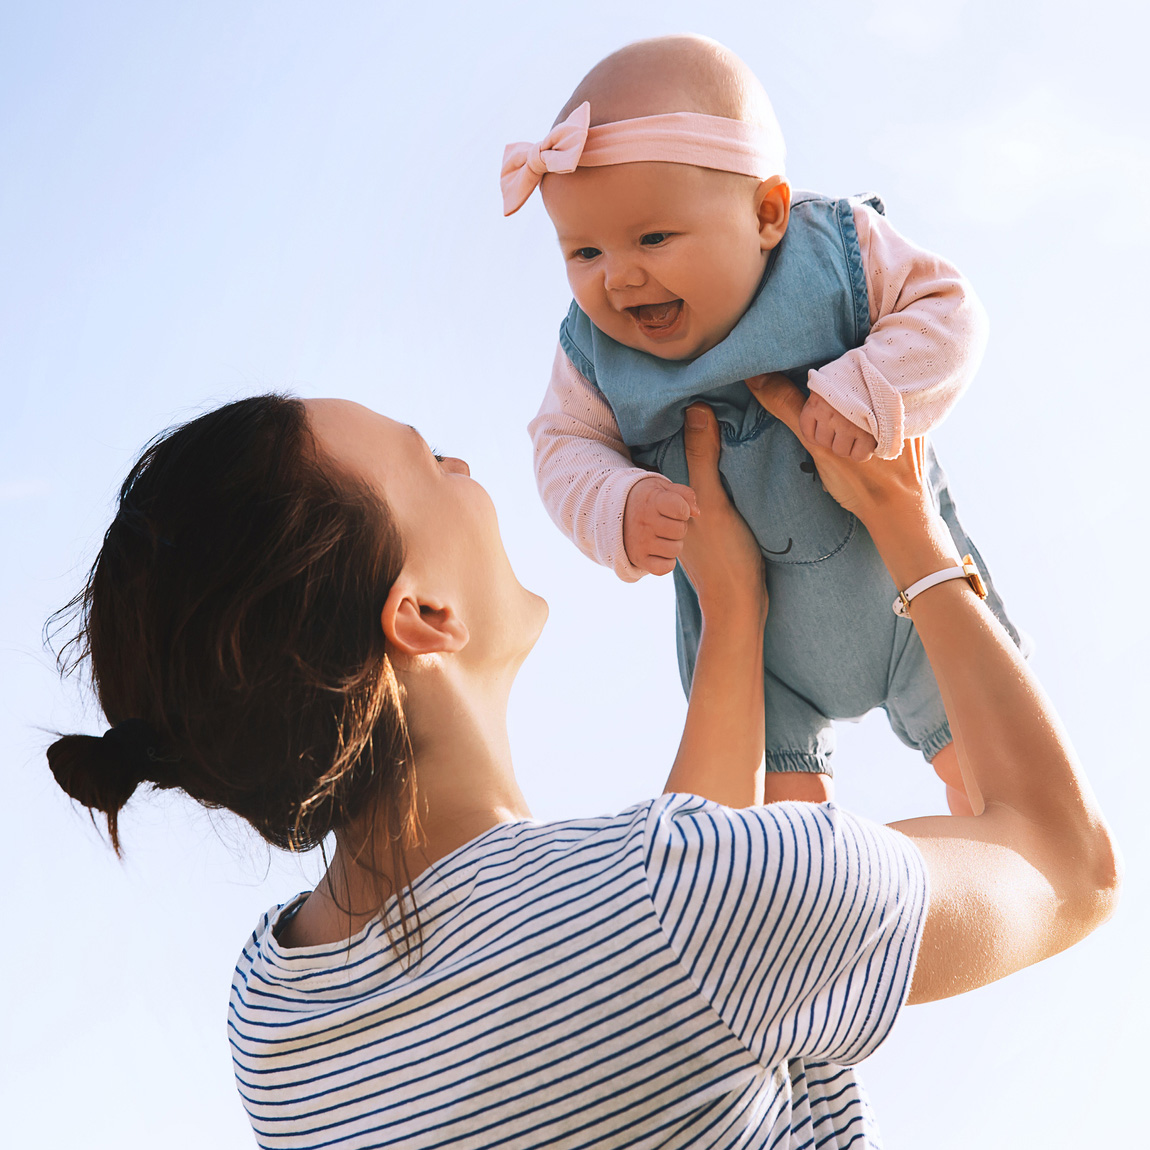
232 625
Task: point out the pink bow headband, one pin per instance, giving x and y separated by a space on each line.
677 138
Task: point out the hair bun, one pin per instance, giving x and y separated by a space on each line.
103 773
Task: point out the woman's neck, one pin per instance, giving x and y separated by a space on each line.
464 775
465 785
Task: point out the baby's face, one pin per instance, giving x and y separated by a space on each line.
664 258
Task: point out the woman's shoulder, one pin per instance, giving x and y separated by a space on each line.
660 837
525 861
704 860
696 823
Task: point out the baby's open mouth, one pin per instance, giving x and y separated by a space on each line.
654 318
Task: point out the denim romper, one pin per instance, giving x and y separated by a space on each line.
833 648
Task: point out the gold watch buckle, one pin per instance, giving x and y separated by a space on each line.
972 576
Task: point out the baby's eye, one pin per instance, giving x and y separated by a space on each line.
435 454
653 238
586 253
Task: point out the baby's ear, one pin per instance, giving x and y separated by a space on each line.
773 209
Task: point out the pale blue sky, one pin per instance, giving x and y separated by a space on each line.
199 201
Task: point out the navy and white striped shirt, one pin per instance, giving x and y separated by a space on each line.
679 975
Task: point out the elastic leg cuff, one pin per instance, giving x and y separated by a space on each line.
934 742
803 762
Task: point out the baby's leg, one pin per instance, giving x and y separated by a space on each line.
801 786
799 738
945 765
918 717
945 761
800 741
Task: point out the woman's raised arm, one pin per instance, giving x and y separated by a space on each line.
721 752
1037 869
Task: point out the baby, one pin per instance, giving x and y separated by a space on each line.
694 267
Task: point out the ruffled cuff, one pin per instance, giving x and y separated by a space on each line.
854 387
610 504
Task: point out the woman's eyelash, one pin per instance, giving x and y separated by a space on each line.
435 452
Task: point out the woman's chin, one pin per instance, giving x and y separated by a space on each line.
531 617
538 613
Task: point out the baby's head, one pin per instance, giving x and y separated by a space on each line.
666 256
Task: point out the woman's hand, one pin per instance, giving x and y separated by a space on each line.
870 489
720 555
890 496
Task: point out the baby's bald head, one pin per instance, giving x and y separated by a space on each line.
672 74
664 256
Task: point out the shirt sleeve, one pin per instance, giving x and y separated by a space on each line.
798 922
583 468
928 334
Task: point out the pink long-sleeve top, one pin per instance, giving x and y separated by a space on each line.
927 336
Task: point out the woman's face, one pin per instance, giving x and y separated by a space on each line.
451 535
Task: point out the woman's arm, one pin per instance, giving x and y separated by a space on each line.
721 752
1037 869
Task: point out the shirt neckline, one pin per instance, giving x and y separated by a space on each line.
426 880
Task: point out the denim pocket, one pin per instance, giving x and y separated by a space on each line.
774 484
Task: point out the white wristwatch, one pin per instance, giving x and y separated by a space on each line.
967 571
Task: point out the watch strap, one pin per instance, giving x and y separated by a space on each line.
968 571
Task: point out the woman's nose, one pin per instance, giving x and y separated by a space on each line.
459 466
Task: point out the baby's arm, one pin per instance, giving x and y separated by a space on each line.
622 516
928 333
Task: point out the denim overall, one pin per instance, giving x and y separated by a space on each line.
833 648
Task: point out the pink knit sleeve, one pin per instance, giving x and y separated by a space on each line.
928 333
583 468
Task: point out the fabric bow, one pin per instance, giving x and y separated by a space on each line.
525 165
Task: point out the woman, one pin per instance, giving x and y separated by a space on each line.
302 614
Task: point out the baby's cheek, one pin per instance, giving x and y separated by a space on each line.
725 292
585 295
573 282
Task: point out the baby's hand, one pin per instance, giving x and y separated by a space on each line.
655 523
829 428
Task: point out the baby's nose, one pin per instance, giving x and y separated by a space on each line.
621 272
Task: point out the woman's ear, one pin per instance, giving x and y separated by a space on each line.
773 209
415 625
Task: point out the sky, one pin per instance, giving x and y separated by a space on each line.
202 201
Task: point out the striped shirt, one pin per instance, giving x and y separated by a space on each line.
679 975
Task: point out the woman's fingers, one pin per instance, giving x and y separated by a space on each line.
719 553
701 442
781 398
863 486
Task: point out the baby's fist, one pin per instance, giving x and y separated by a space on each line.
823 425
655 522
